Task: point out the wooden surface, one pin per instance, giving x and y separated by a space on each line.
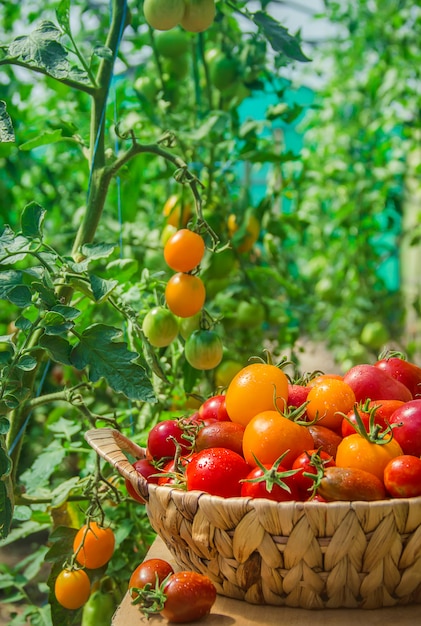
228 612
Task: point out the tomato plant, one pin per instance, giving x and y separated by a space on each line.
268 435
402 476
149 572
185 294
217 471
204 349
257 387
184 250
160 327
93 545
72 588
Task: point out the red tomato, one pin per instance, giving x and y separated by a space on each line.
272 482
407 430
370 382
214 408
160 445
383 411
350 483
172 475
269 434
297 394
189 597
402 476
407 373
148 573
324 438
145 468
217 471
309 462
221 435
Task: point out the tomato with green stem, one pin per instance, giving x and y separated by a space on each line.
93 545
160 327
72 588
271 481
185 294
184 250
148 574
310 462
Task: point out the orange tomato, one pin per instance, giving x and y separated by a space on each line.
176 211
328 400
358 452
269 434
185 294
72 588
184 250
93 545
253 390
322 377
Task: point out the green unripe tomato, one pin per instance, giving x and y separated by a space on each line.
160 326
223 72
146 87
374 335
221 263
99 609
163 14
198 15
172 44
204 349
187 325
250 314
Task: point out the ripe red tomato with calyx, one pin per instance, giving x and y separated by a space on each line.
409 374
370 382
217 471
273 482
180 597
163 439
402 476
148 574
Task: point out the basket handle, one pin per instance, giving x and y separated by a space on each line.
112 446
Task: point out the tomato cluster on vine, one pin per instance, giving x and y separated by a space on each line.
325 438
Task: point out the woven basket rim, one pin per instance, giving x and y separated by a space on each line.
112 446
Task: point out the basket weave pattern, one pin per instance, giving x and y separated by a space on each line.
300 554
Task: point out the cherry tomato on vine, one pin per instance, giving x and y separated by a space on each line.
160 442
148 573
253 390
72 588
163 14
402 476
204 349
269 434
217 471
185 294
160 327
328 400
146 469
189 597
184 250
93 545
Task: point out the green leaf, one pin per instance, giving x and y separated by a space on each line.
7 134
102 288
279 37
43 49
45 464
44 139
4 426
103 52
63 15
20 295
57 347
66 428
68 312
31 220
123 268
10 244
27 363
46 294
215 125
112 360
97 250
62 491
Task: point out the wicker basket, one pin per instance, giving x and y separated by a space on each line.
300 554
